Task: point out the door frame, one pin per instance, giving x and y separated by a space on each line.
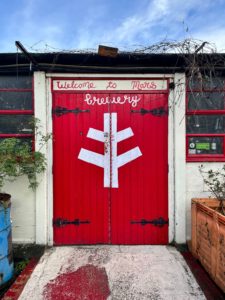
176 152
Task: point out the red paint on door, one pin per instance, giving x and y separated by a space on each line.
143 187
78 186
110 215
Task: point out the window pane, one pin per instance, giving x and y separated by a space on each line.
205 145
16 100
14 82
209 83
206 124
206 101
16 124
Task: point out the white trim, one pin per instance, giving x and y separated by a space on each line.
171 166
23 241
179 158
41 191
50 164
175 232
107 75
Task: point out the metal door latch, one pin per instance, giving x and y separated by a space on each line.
62 222
158 112
59 111
160 222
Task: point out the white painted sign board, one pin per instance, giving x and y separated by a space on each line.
109 85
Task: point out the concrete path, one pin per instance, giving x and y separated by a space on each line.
112 272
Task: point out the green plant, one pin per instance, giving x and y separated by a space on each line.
17 158
21 265
215 181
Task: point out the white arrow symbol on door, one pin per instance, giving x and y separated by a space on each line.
110 160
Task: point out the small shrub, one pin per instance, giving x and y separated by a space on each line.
215 181
17 158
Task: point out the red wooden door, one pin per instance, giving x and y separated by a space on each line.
80 199
140 203
110 168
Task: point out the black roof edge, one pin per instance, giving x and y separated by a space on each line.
93 63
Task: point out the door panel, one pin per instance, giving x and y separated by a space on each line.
122 212
78 186
143 185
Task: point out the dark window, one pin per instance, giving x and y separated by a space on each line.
205 124
15 82
16 124
16 100
205 101
206 83
16 107
205 121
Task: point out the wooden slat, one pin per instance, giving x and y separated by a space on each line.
208 238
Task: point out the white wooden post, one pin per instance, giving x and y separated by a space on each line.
179 158
41 191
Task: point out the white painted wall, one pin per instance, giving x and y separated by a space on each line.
29 211
195 187
22 211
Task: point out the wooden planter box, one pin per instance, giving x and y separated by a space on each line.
208 238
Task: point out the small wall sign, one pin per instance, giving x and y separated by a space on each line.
109 85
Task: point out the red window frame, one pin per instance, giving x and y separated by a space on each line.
204 157
18 112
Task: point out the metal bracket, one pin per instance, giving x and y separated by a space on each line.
61 222
59 111
159 111
160 222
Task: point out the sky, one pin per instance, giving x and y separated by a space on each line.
69 25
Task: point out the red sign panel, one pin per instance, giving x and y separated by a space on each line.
110 168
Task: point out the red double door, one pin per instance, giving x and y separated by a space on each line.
110 168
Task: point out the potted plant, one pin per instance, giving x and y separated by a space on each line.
17 158
208 226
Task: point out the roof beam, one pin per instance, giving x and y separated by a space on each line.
26 53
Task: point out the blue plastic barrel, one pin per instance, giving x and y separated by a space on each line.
6 257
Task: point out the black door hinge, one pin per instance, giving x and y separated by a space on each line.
159 111
62 222
160 222
59 111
